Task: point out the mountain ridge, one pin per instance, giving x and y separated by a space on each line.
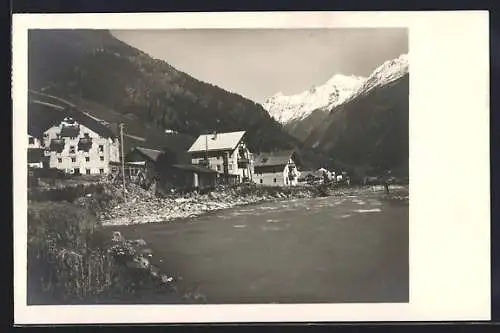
369 132
339 89
295 107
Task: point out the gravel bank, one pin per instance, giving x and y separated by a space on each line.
144 206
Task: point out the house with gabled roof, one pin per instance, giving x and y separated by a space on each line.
80 148
139 162
72 141
163 166
227 153
277 168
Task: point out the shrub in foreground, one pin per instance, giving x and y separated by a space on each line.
67 260
72 261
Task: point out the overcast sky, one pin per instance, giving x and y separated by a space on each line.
258 63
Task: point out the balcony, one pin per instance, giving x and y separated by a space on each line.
70 131
85 144
56 145
243 163
204 163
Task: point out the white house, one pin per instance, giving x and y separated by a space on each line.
85 147
70 140
226 153
277 168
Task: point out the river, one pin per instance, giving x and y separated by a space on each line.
322 250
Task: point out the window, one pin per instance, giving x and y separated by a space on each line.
218 157
274 180
218 167
71 149
73 159
87 171
87 159
261 181
86 135
101 148
59 160
101 158
101 171
230 167
31 141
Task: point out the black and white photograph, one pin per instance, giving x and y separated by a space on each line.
210 166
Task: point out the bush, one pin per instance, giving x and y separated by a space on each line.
72 261
67 261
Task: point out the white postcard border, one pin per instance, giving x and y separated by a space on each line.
449 168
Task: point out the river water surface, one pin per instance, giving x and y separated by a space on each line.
334 249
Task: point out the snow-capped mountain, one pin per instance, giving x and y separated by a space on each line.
388 72
335 92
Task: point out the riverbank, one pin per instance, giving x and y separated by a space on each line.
396 192
143 206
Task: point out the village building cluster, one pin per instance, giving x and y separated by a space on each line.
75 143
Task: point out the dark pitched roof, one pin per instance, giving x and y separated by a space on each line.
151 154
193 168
94 125
43 115
279 158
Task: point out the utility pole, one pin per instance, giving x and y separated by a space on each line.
123 160
206 150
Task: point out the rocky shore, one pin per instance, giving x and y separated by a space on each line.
142 206
146 206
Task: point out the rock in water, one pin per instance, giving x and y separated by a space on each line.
117 237
139 242
139 263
